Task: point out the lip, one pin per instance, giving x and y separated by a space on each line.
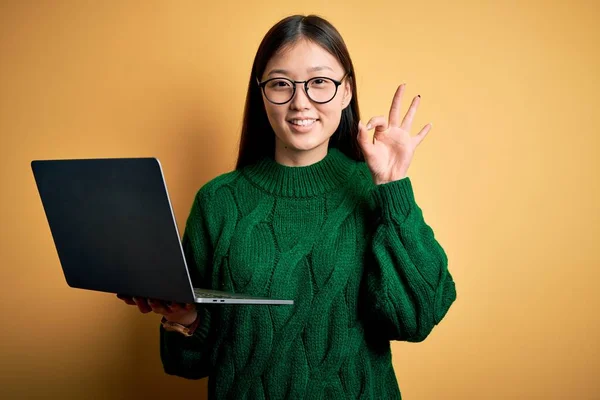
301 118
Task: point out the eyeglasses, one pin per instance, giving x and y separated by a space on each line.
319 89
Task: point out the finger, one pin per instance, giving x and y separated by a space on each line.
159 307
365 141
142 304
395 110
126 299
421 135
410 114
175 307
379 123
182 306
166 307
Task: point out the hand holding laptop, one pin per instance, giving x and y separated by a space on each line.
184 314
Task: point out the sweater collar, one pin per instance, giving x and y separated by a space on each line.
308 181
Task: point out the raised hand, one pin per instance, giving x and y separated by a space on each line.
389 153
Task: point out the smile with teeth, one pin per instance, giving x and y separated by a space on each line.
303 122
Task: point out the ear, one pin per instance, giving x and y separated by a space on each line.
347 92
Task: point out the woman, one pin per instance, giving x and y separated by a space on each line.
317 211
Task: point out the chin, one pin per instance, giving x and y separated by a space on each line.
306 143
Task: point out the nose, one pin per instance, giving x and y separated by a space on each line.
300 101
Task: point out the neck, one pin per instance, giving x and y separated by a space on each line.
301 182
299 158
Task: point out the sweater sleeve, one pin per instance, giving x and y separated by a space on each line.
407 280
189 357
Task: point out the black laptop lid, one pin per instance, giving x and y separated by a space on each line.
113 226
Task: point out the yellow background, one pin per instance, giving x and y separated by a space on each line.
507 178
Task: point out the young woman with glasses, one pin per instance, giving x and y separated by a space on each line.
318 211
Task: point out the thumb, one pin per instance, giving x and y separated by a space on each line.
365 141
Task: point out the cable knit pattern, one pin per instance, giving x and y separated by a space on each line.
358 260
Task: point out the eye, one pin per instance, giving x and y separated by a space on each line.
278 84
320 83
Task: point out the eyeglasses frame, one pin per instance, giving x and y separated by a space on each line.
295 83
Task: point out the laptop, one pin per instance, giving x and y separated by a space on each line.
114 230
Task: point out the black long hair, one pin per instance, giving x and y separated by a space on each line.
258 139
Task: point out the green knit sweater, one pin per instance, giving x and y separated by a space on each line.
359 261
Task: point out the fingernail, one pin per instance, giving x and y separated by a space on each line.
368 126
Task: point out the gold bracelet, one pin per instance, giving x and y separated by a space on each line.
176 327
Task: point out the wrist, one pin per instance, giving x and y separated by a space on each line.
383 181
181 326
392 176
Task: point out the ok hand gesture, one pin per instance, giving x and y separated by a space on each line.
390 152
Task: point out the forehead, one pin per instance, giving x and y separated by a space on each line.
301 57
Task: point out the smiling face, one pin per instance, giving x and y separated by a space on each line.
302 127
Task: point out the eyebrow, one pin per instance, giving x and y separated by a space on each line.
312 69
